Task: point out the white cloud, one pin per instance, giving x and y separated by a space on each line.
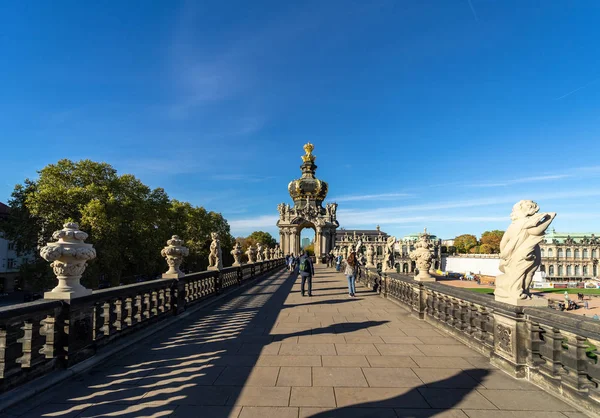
253 223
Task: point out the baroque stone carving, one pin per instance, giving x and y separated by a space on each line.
260 253
388 255
308 211
520 254
68 256
237 254
174 253
371 256
251 254
422 255
215 257
504 338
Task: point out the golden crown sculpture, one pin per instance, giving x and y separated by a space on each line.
308 148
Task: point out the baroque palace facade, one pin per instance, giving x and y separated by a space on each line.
348 238
572 256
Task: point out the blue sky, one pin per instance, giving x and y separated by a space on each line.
423 113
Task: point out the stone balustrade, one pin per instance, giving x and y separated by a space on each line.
39 337
555 350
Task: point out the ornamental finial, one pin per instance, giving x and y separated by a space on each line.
308 148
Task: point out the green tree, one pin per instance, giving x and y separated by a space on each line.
464 243
492 241
485 249
127 222
261 237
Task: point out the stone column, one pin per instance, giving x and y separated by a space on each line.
174 253
317 245
68 256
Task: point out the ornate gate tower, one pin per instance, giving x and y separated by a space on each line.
308 194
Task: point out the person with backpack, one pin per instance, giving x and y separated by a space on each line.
350 272
307 271
338 263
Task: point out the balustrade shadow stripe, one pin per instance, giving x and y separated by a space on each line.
164 371
182 317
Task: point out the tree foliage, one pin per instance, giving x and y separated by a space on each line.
491 241
257 237
464 243
127 222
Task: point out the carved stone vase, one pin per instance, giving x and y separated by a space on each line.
422 255
68 256
174 253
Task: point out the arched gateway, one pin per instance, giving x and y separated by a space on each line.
308 194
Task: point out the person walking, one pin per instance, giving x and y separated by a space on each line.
291 262
350 272
307 271
586 305
338 263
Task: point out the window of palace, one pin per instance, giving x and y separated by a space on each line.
585 270
594 253
585 253
560 252
549 252
542 268
576 270
551 270
543 253
569 270
560 270
576 253
595 271
569 253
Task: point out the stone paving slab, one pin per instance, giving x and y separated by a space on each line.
266 351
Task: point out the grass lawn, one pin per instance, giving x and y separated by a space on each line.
570 291
486 290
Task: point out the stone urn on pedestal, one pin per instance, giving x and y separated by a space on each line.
68 256
174 253
237 255
422 255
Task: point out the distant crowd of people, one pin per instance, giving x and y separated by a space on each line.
306 269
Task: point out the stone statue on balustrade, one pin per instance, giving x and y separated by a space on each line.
260 256
423 256
237 255
520 254
68 256
215 257
388 256
174 253
371 256
251 254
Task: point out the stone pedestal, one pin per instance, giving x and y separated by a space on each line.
510 343
533 302
69 256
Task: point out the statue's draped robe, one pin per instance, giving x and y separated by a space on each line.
520 255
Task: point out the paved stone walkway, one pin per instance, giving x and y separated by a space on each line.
268 352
